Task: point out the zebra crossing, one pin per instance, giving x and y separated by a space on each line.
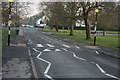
49 47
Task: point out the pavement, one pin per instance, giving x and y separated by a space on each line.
58 58
15 59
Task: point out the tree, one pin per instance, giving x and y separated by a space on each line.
73 12
108 19
87 7
18 10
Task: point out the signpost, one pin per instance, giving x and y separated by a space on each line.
96 11
10 21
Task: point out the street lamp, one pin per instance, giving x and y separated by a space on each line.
9 23
96 11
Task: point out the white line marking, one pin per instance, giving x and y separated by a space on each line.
111 76
77 47
65 45
39 45
50 45
81 58
32 64
57 50
78 57
64 49
100 68
97 52
93 62
48 67
35 50
46 50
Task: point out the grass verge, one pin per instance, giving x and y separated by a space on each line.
106 41
76 31
5 36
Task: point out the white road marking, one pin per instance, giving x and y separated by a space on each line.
65 45
48 67
93 62
112 76
46 50
57 50
64 49
77 47
82 58
78 57
33 65
50 45
39 45
100 68
97 52
35 50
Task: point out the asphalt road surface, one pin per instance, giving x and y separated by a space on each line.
54 58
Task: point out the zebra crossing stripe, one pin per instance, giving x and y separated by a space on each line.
46 50
66 46
57 50
39 45
50 45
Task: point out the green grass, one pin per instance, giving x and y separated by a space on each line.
77 31
106 41
5 36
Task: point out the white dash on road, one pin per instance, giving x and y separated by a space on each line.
57 50
39 45
100 68
77 47
97 52
35 50
50 45
112 76
65 45
64 49
48 67
46 50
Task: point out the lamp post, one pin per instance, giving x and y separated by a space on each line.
9 23
96 11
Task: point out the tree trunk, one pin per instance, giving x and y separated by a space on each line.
72 27
104 32
88 33
56 28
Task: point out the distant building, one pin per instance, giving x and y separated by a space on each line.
42 22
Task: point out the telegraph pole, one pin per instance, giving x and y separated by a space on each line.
10 21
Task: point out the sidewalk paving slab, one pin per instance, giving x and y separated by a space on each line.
16 60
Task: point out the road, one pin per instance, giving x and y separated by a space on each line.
53 58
